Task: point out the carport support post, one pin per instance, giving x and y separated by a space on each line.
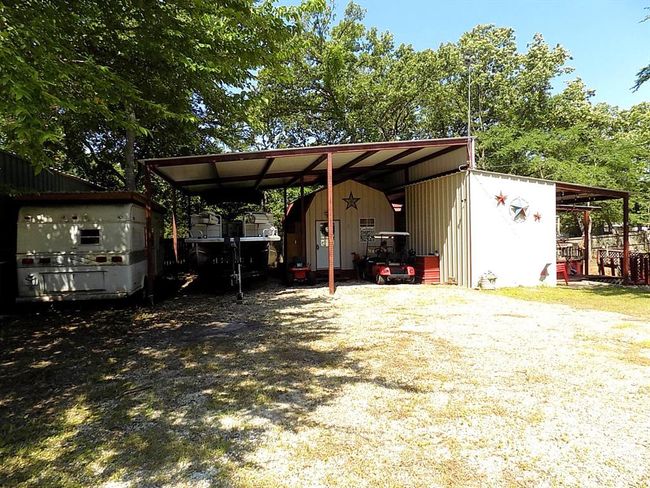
174 228
330 224
151 268
303 223
625 268
586 223
285 254
188 209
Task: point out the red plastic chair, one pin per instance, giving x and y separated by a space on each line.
561 270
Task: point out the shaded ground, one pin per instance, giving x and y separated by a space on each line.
380 386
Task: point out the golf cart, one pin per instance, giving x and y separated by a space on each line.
392 261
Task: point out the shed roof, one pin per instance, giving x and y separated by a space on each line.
89 198
573 194
251 171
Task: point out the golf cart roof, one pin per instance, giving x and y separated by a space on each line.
387 234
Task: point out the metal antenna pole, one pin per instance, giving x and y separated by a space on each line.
468 61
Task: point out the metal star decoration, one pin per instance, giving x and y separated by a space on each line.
351 201
501 198
519 209
538 217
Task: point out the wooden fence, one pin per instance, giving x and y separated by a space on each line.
613 260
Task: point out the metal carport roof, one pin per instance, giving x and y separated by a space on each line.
278 168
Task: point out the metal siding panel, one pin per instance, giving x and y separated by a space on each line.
438 220
516 253
19 174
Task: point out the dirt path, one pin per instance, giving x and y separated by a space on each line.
379 386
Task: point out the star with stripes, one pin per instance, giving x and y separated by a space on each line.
501 199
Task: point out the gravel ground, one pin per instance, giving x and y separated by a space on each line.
379 386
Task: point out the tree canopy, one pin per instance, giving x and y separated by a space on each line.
90 86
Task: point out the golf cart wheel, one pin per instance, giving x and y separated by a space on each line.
380 280
411 280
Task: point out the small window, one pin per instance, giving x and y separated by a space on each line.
89 236
366 229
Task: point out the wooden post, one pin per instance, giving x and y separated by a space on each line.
149 241
625 267
586 221
303 218
330 224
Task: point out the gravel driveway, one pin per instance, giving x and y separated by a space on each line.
379 386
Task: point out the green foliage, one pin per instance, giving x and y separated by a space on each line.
203 76
75 77
644 73
344 82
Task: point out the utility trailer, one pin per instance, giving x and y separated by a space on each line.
84 246
233 251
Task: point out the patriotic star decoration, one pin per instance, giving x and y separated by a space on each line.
351 201
501 198
538 217
519 209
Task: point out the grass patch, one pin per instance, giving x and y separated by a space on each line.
625 300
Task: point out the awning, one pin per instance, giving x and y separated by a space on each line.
573 194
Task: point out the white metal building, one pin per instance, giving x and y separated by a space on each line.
481 222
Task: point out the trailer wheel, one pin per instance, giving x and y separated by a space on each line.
380 280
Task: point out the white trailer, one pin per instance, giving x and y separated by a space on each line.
82 246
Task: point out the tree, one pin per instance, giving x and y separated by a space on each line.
88 79
644 73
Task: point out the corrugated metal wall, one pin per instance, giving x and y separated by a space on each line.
18 174
437 216
371 204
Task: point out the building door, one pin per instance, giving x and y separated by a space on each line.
322 260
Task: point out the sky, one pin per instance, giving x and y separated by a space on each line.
606 38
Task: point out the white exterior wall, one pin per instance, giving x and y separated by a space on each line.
371 204
516 252
437 217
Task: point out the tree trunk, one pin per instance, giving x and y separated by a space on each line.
129 154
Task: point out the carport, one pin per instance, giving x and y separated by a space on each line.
571 197
242 176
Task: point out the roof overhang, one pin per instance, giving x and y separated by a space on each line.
574 194
246 173
87 198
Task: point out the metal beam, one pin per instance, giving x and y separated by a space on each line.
267 167
149 241
573 188
421 160
357 160
285 254
586 224
625 268
330 224
302 174
383 163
